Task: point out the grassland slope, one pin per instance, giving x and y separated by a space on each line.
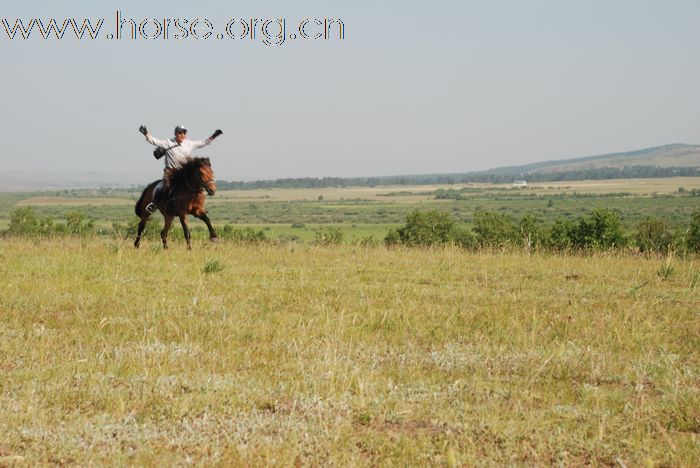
345 355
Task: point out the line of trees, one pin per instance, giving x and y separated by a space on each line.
629 172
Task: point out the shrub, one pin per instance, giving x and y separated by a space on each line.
78 223
559 236
392 238
243 235
653 236
23 221
464 239
530 231
600 230
493 229
328 236
368 241
448 194
693 236
426 228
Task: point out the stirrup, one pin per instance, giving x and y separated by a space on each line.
151 208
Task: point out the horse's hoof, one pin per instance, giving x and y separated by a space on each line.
214 239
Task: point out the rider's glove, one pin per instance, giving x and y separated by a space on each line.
143 130
216 134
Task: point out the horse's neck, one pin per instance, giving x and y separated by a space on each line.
189 182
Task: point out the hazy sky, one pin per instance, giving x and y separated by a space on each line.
415 87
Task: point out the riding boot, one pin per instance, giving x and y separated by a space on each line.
159 199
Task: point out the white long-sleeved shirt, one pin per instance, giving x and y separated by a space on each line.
177 155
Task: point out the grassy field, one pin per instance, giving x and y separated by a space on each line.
297 354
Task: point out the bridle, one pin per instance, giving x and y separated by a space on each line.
202 184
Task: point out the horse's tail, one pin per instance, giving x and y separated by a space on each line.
138 209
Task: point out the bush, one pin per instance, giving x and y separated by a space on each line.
464 239
530 231
493 229
368 241
600 230
24 221
448 194
425 228
392 238
79 224
559 236
653 236
328 236
243 235
693 237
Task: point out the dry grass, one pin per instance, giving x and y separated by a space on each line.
348 356
634 186
329 194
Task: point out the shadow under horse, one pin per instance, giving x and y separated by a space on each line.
186 197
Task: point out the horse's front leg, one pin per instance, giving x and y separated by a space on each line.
186 229
166 228
212 234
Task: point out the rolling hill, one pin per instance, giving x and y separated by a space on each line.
667 156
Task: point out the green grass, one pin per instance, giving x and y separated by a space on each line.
297 354
673 209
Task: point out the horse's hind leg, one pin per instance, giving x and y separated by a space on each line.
186 229
166 228
142 226
212 233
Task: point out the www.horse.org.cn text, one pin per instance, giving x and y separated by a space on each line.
267 31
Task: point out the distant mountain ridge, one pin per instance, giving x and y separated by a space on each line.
666 156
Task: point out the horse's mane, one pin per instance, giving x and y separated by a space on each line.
177 178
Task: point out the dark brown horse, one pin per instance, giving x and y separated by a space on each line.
185 198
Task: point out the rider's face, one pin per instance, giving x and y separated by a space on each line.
179 137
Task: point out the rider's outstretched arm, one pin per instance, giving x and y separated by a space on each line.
156 142
153 141
200 143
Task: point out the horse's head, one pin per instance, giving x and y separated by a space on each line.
205 174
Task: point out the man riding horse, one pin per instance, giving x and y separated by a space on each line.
176 151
